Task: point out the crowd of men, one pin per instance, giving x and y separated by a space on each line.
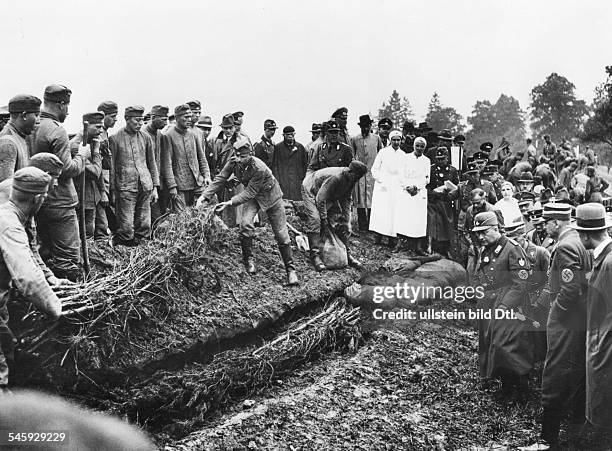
524 222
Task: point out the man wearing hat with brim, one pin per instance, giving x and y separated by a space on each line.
316 134
563 377
327 200
365 147
58 226
262 192
5 116
503 272
408 136
105 210
205 125
473 180
423 129
491 173
185 169
341 117
592 225
444 139
289 164
385 125
19 270
524 183
95 190
24 113
442 190
159 120
331 153
134 179
264 149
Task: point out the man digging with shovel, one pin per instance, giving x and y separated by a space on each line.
261 192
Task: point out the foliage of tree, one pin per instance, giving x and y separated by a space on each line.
555 110
598 127
490 122
440 117
397 108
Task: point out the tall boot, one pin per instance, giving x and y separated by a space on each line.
247 254
287 256
314 240
551 421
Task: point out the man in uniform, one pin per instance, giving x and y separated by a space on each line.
384 128
95 191
134 179
264 149
503 272
341 117
563 377
538 235
196 111
262 192
24 113
365 148
17 267
316 133
110 110
185 169
57 221
332 153
472 181
238 121
159 120
490 173
327 193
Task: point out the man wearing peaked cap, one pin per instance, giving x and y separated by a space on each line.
289 164
332 152
563 377
384 128
95 188
472 181
57 219
24 113
18 268
185 168
159 121
366 146
592 225
262 192
134 179
502 271
265 147
341 117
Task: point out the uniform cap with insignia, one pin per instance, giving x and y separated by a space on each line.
526 177
205 122
445 135
484 221
270 124
95 118
555 210
332 126
340 112
237 115
288 129
481 156
24 103
31 180
357 167
160 111
489 169
441 152
242 145
315 128
385 123
108 107
57 93
180 110
591 216
472 168
459 139
195 105
134 111
47 162
486 147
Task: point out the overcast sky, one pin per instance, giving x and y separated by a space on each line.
296 62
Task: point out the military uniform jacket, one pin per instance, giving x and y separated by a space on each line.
330 155
541 239
264 150
160 147
257 179
466 187
17 263
52 137
133 162
472 212
14 153
184 166
328 186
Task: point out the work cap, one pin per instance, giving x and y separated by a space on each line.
95 118
288 129
108 107
31 180
24 103
47 162
357 167
57 93
134 111
182 110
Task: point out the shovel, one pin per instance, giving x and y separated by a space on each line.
300 239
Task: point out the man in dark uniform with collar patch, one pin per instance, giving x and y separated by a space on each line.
491 174
332 153
473 181
384 128
261 192
563 377
538 235
264 149
503 271
341 117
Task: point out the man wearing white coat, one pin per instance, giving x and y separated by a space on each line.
388 173
411 203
